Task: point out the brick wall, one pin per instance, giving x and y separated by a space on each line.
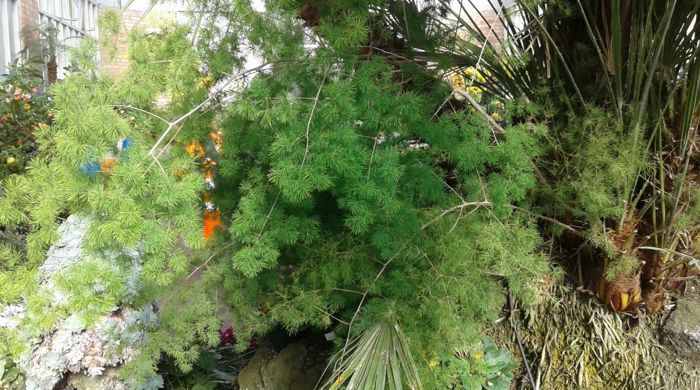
117 66
491 26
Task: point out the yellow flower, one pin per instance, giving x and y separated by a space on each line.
474 74
475 90
206 81
10 160
496 116
478 356
433 363
458 81
27 106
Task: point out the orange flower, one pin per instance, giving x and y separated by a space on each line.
216 140
194 149
107 165
212 220
208 163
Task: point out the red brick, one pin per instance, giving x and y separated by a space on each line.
118 65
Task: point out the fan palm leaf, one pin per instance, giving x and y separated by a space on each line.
378 359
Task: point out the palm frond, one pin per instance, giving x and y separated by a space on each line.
378 359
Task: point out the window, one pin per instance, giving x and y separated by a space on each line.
9 32
71 20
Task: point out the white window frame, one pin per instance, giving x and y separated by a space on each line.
73 20
9 33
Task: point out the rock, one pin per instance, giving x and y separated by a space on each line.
11 316
74 349
290 369
681 331
67 250
71 347
286 368
107 381
250 376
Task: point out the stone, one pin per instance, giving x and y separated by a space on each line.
290 369
250 377
108 380
71 347
74 349
67 250
681 330
286 369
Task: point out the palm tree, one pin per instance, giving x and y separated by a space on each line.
617 82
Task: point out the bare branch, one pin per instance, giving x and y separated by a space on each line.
459 207
311 115
477 106
175 122
130 107
272 208
552 220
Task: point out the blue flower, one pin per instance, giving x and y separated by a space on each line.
125 144
90 169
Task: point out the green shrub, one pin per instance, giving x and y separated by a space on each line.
483 366
24 106
348 202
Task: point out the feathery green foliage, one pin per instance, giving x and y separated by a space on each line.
349 204
618 83
132 203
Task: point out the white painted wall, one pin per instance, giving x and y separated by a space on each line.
9 33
